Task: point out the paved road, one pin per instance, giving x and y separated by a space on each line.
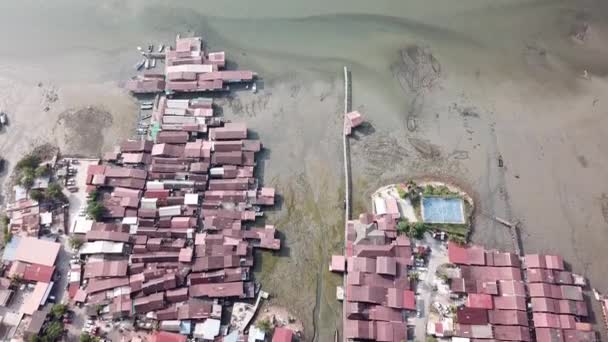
425 285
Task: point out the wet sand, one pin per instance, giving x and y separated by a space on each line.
510 84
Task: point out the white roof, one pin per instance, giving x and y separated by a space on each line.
178 103
74 277
256 334
173 119
20 192
82 225
148 203
170 325
175 111
216 171
173 210
198 68
207 330
154 185
102 247
191 199
379 206
46 218
41 183
129 220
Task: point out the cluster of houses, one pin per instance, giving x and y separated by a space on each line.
377 291
176 240
24 215
490 295
189 68
30 270
506 299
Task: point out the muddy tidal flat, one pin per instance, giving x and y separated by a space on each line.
447 88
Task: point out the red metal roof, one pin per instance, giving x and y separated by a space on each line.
554 262
35 272
482 301
466 315
163 336
509 303
534 261
457 254
512 333
508 317
546 320
512 288
282 335
217 290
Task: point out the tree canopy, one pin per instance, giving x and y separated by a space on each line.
96 210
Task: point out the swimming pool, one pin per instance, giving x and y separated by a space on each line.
442 210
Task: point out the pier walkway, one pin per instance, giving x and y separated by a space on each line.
347 182
346 147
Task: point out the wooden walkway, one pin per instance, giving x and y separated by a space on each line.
346 147
347 183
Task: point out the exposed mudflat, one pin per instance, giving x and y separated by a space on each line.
447 87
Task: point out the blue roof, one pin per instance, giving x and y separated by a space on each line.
11 249
185 327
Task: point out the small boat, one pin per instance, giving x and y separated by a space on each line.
161 47
139 48
153 63
254 88
150 48
147 64
140 64
336 336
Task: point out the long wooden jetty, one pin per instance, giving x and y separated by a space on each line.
346 147
347 181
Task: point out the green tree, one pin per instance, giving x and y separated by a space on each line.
37 195
88 338
58 310
6 231
27 178
16 280
401 191
92 196
42 170
55 192
96 210
265 325
417 230
7 235
76 242
53 331
403 226
29 161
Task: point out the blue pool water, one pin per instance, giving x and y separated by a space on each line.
442 210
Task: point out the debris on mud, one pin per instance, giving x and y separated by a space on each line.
417 69
425 148
604 204
83 129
